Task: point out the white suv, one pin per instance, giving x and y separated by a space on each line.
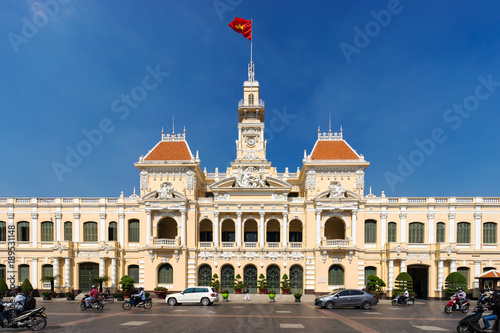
203 295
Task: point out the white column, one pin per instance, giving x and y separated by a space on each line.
318 227
431 228
148 225
240 138
262 236
383 227
453 266
440 274
477 232
402 217
354 219
76 216
102 233
477 271
113 272
216 229
402 265
261 138
34 273
11 220
183 227
391 274
66 272
101 267
56 271
238 230
451 225
285 230
58 228
34 229
121 229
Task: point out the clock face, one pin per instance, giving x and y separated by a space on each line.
251 141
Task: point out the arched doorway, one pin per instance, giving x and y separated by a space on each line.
86 272
250 278
204 275
273 278
334 228
296 279
227 278
420 276
167 228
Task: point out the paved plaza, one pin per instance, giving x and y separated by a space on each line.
258 315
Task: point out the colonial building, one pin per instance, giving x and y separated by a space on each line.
314 224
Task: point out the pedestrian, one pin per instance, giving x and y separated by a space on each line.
247 294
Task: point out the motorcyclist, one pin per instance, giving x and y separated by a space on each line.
140 297
486 319
17 304
461 296
489 293
404 296
94 293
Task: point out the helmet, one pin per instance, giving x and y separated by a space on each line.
18 289
460 288
489 288
141 288
93 286
404 288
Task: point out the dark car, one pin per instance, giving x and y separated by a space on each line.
347 297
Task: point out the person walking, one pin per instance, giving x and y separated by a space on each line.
247 294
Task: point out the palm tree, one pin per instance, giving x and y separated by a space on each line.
100 280
50 279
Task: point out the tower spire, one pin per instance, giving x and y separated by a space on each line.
173 124
330 123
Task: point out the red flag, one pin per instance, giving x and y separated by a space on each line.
242 26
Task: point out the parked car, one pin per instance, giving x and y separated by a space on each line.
347 297
203 295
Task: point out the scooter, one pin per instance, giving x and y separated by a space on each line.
454 305
107 297
470 323
134 301
97 304
34 319
409 301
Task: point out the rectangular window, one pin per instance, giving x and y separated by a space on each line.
23 232
133 231
206 236
47 270
490 233
133 272
3 231
113 232
391 232
463 233
228 236
68 231
24 273
416 233
47 232
295 236
440 230
90 232
251 236
273 236
370 232
465 272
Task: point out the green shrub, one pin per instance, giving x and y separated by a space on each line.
238 284
403 280
214 282
127 283
26 286
285 282
262 282
453 282
3 287
374 283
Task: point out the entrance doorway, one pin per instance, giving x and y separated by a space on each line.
250 278
296 279
227 278
420 276
86 272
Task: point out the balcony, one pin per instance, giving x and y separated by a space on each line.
251 245
228 244
205 244
273 245
295 245
249 103
338 243
166 242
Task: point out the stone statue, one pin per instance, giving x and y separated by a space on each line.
166 191
336 190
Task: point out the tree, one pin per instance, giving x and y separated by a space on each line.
238 284
285 282
3 287
374 283
127 282
262 282
214 282
403 280
100 280
26 286
453 282
50 279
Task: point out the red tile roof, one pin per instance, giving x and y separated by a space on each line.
490 274
333 150
169 151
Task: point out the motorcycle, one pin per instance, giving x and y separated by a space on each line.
470 323
408 301
483 300
134 301
97 303
34 319
454 305
107 297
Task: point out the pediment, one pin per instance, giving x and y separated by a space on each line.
156 195
345 194
268 183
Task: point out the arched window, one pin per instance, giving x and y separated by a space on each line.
23 232
334 228
227 231
47 270
250 99
295 233
166 274
465 272
113 232
3 231
167 228
68 231
250 231
206 234
24 273
90 232
392 229
369 271
336 276
487 269
133 231
440 230
490 233
416 232
370 231
133 272
463 233
47 231
273 231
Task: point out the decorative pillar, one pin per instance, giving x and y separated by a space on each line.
440 274
102 234
318 227
66 272
262 236
477 271
34 228
76 216
56 271
451 224
477 238
58 227
183 227
453 266
402 217
113 272
391 274
354 219
121 229
216 229
383 227
402 265
285 229
240 138
431 228
101 267
148 225
34 272
238 230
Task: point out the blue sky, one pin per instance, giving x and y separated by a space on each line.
391 85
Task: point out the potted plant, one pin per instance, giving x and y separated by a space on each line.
46 295
52 280
297 297
225 295
119 296
70 296
374 286
285 284
27 287
100 280
272 295
127 283
214 282
161 292
238 285
3 287
262 284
